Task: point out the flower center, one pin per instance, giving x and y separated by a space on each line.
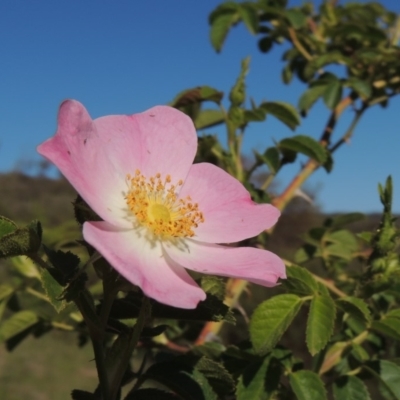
155 204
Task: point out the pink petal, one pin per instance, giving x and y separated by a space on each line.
142 263
254 265
96 155
230 214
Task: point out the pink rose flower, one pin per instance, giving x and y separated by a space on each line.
161 213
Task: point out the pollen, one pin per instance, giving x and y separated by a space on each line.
155 204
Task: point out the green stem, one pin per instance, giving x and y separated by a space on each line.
96 333
239 165
267 181
250 171
133 339
349 133
100 358
60 325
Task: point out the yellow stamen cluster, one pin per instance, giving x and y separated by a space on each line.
155 204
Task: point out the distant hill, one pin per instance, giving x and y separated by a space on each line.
23 198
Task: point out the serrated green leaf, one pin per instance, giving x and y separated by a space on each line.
271 319
344 219
6 291
221 20
305 145
328 164
363 88
388 374
341 243
208 118
296 18
53 290
307 385
392 313
218 377
306 252
310 96
257 115
355 307
17 323
271 158
388 326
65 264
6 226
196 95
249 16
359 353
332 57
320 322
213 285
350 388
208 93
300 281
333 94
211 350
5 294
390 377
259 380
285 112
366 236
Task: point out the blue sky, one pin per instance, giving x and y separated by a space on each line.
124 56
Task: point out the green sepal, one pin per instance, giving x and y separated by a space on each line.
211 309
83 212
237 94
